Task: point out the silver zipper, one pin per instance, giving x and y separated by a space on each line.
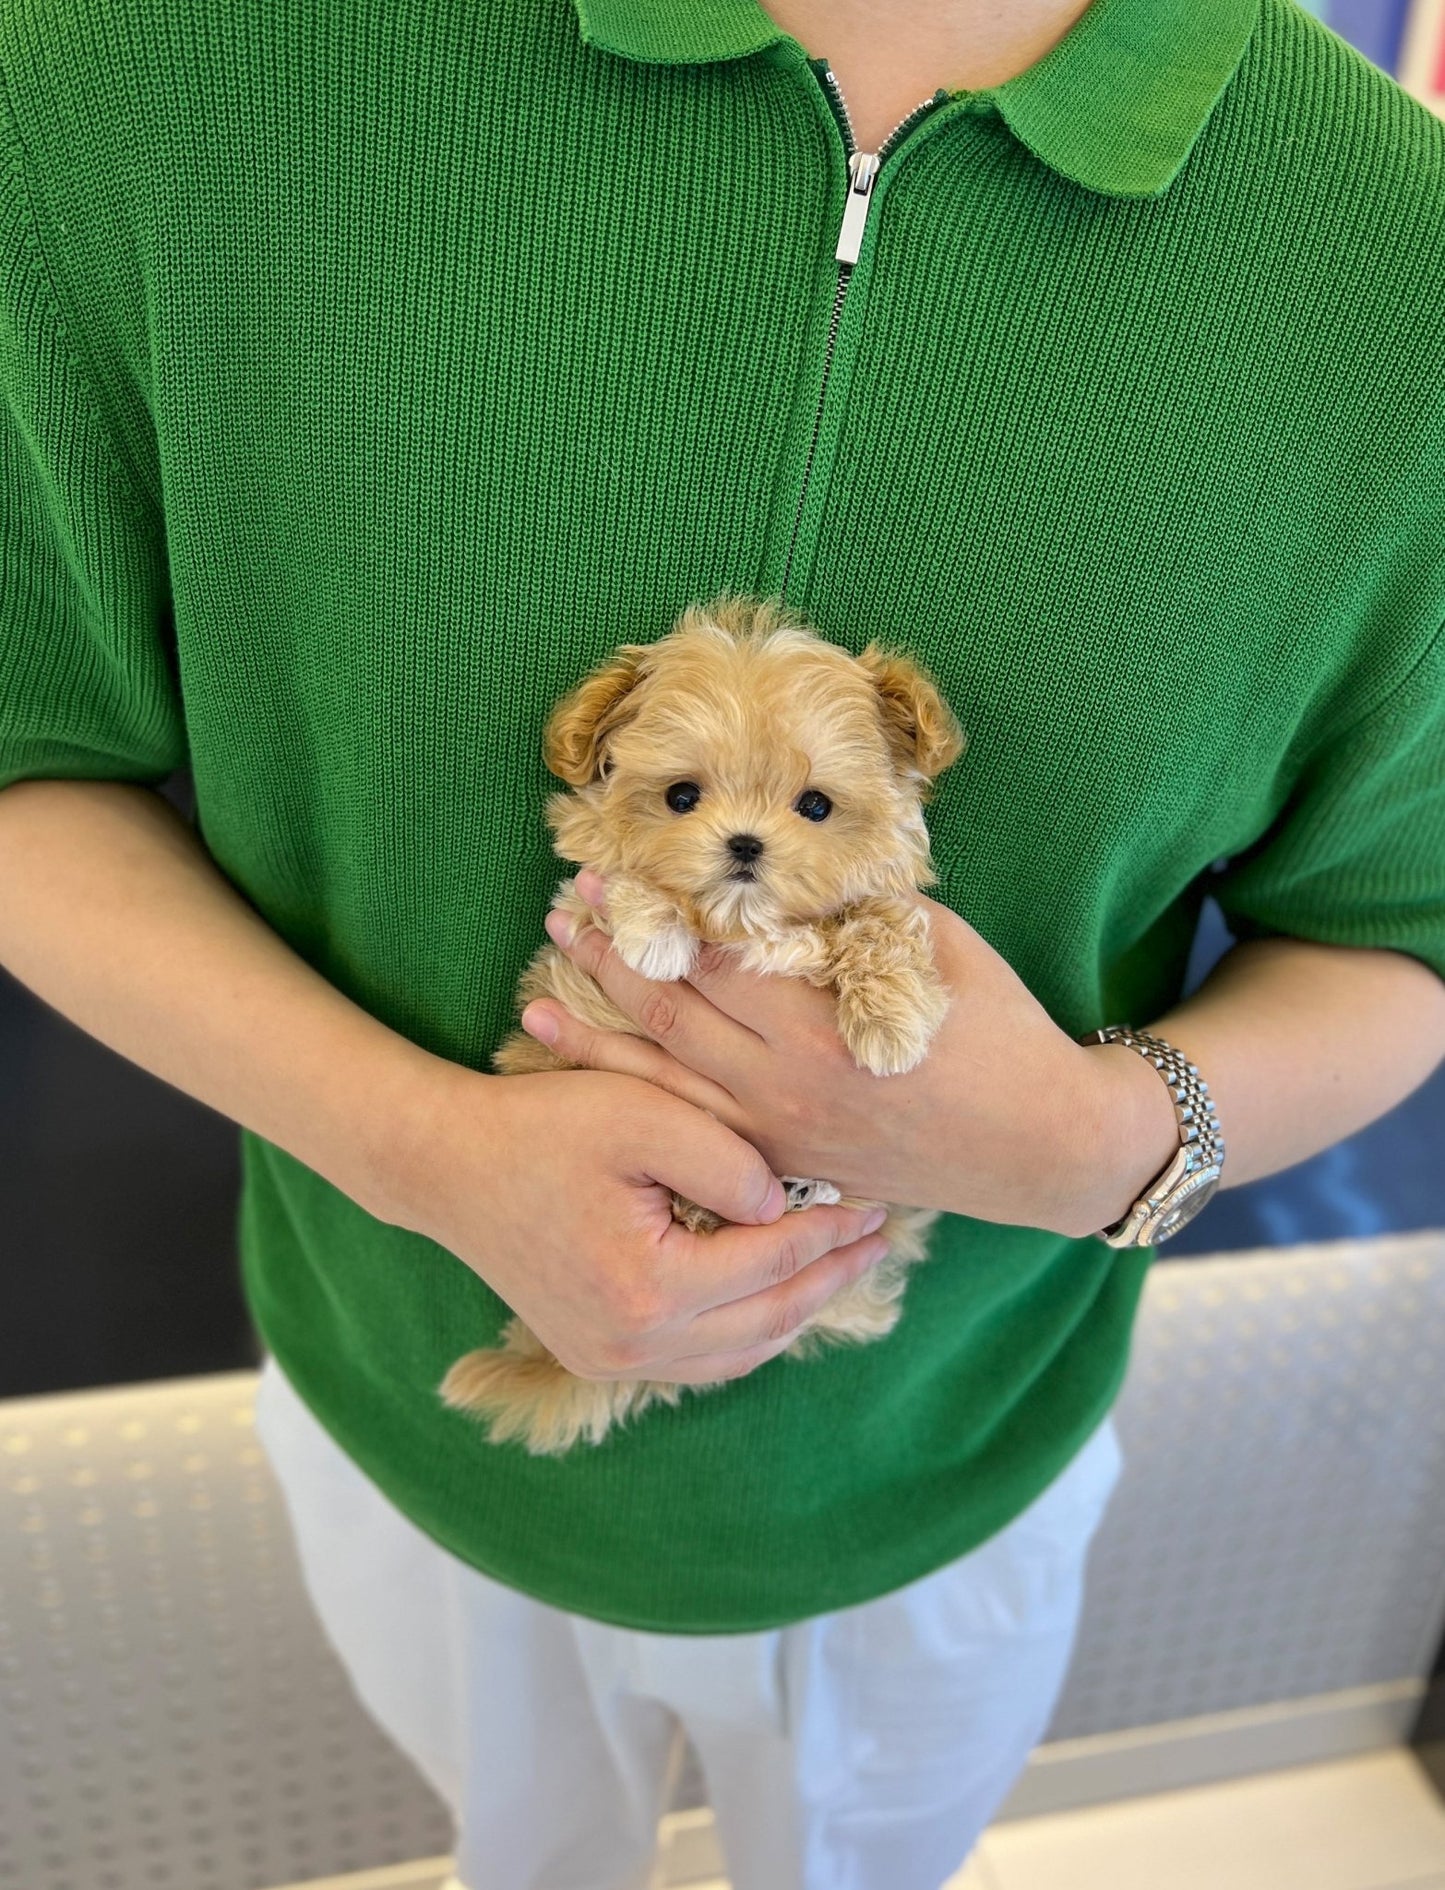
862 171
863 168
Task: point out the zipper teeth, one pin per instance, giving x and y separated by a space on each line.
923 105
845 270
830 79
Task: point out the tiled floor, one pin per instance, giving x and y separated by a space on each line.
1371 1823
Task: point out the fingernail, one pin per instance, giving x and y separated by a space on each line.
874 1251
540 1024
875 1220
559 927
590 886
776 1203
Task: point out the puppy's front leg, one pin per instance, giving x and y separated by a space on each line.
648 932
891 999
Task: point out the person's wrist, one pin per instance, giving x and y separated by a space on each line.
411 1099
1128 1134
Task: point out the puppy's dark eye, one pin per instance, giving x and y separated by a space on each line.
683 796
813 805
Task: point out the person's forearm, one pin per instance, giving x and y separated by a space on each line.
1301 1045
113 912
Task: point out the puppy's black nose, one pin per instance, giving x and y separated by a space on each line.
744 846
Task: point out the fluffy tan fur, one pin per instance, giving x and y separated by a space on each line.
748 703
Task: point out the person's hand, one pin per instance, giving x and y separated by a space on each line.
554 1189
1004 1119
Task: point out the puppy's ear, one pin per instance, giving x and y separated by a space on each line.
922 730
574 741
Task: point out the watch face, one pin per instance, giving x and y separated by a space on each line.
1185 1202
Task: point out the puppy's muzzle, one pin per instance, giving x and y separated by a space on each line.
745 849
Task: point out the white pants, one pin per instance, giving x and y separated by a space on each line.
861 1750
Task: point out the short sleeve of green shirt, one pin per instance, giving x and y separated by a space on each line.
86 686
1357 854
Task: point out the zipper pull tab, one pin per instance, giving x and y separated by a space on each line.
862 169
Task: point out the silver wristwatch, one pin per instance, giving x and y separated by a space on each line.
1177 1195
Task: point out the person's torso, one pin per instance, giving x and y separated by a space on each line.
465 350
476 350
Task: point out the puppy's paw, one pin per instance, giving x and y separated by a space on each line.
697 1220
801 1193
888 1030
662 955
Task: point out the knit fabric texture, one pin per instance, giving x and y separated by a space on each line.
372 370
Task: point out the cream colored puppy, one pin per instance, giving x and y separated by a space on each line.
743 782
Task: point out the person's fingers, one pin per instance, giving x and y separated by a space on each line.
770 1006
592 887
763 1004
734 1265
730 1341
589 1047
673 1014
680 1147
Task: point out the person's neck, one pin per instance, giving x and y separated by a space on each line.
887 55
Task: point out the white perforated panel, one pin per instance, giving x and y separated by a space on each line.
171 1717
1279 1529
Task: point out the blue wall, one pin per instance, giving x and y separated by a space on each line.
1376 27
1390 1178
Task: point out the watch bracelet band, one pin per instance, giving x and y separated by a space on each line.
1198 1119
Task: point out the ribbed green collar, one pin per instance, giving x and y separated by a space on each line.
1116 106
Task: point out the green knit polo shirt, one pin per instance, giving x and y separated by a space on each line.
371 370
